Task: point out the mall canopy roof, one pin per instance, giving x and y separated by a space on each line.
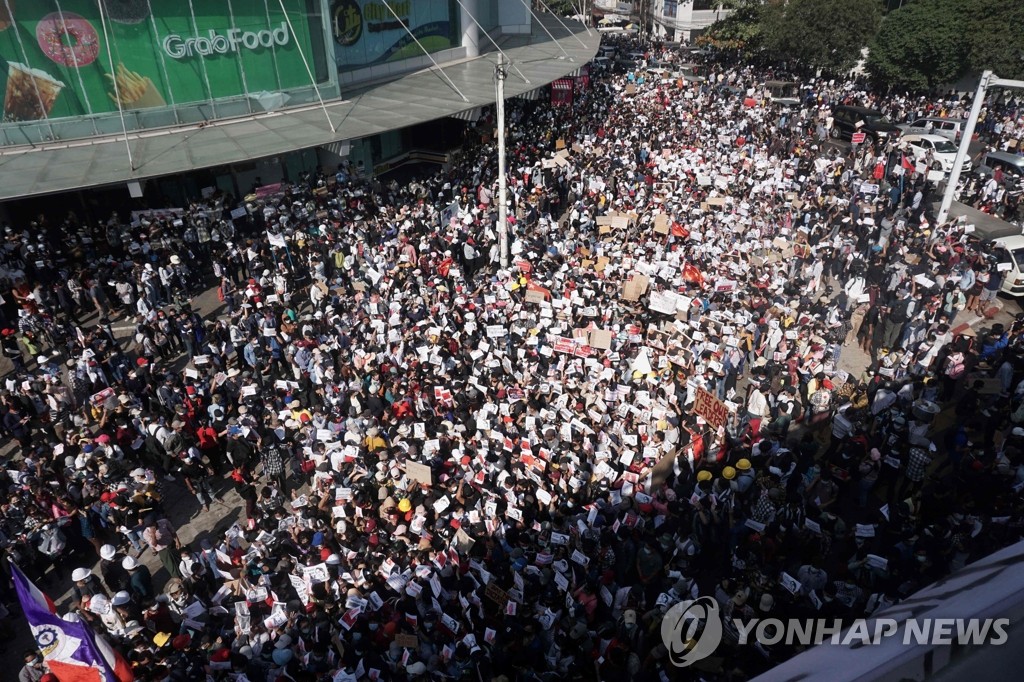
415 98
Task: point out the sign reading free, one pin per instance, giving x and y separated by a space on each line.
711 408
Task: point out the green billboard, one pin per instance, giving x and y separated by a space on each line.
61 58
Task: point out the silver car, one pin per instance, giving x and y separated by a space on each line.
950 128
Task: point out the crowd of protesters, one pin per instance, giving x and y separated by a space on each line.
457 470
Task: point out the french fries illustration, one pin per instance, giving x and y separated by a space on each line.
132 90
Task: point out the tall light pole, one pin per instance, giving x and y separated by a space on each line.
500 73
988 80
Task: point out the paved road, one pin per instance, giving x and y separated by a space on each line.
184 511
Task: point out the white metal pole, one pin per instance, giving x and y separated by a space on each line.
117 91
965 142
499 73
309 71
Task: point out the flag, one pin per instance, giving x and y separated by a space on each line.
693 275
70 649
908 164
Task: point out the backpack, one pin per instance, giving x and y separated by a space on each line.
954 366
174 444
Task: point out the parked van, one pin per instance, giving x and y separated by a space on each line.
1012 164
1010 251
950 128
786 93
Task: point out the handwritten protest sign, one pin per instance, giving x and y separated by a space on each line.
711 408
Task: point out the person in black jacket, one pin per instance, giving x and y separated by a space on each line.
115 577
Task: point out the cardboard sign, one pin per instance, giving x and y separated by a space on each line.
407 641
710 407
636 287
858 138
496 594
536 294
559 144
418 472
601 339
661 224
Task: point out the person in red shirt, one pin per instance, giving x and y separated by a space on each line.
210 445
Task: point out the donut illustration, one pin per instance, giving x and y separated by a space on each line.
126 11
68 39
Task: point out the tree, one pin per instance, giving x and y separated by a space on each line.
742 28
995 38
825 34
921 46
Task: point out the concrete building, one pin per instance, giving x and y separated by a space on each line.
683 20
136 97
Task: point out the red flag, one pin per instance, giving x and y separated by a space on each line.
692 274
908 164
444 267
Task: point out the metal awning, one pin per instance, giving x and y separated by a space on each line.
415 98
470 115
532 95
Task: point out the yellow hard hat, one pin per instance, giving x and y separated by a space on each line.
404 506
703 475
728 473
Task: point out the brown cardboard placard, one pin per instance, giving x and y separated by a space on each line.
603 220
601 264
496 594
559 143
661 224
601 338
407 641
620 222
716 201
635 287
604 229
630 89
419 472
577 148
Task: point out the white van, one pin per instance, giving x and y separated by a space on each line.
1010 250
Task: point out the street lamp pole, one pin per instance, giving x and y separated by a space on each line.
499 73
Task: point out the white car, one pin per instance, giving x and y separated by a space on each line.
942 152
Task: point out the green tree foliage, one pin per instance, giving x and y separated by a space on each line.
930 43
825 34
921 46
744 27
995 31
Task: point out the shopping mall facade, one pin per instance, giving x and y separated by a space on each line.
168 97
